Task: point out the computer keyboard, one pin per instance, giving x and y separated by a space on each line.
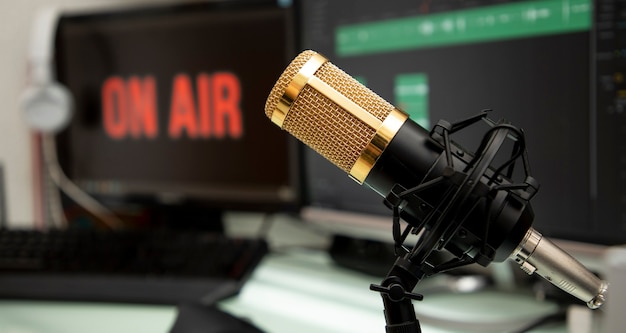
157 266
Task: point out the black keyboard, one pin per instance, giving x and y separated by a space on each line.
163 267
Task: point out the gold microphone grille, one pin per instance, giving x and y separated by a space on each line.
284 79
333 132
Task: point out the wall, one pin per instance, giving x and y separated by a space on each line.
16 18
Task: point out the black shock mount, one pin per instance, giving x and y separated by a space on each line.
468 184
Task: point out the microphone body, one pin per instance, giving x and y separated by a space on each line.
378 146
411 155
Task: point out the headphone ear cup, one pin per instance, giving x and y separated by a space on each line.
47 107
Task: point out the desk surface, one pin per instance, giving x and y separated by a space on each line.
301 291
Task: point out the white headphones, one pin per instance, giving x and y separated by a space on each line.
46 103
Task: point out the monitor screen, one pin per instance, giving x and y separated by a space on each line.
554 68
169 104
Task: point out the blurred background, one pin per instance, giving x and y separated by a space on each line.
168 136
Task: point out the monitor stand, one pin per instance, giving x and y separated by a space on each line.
187 216
150 214
194 317
368 256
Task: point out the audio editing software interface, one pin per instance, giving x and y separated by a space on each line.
554 68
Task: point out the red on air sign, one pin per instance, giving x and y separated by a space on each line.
129 107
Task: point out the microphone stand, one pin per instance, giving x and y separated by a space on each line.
437 224
397 299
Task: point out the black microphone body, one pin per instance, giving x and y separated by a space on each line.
511 215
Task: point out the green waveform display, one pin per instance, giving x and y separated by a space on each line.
497 22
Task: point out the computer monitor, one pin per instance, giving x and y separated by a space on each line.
169 106
554 68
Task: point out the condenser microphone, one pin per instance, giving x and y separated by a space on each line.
377 145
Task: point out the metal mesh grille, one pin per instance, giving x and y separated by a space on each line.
355 91
327 128
320 123
281 85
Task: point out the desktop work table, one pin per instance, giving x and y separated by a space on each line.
296 291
